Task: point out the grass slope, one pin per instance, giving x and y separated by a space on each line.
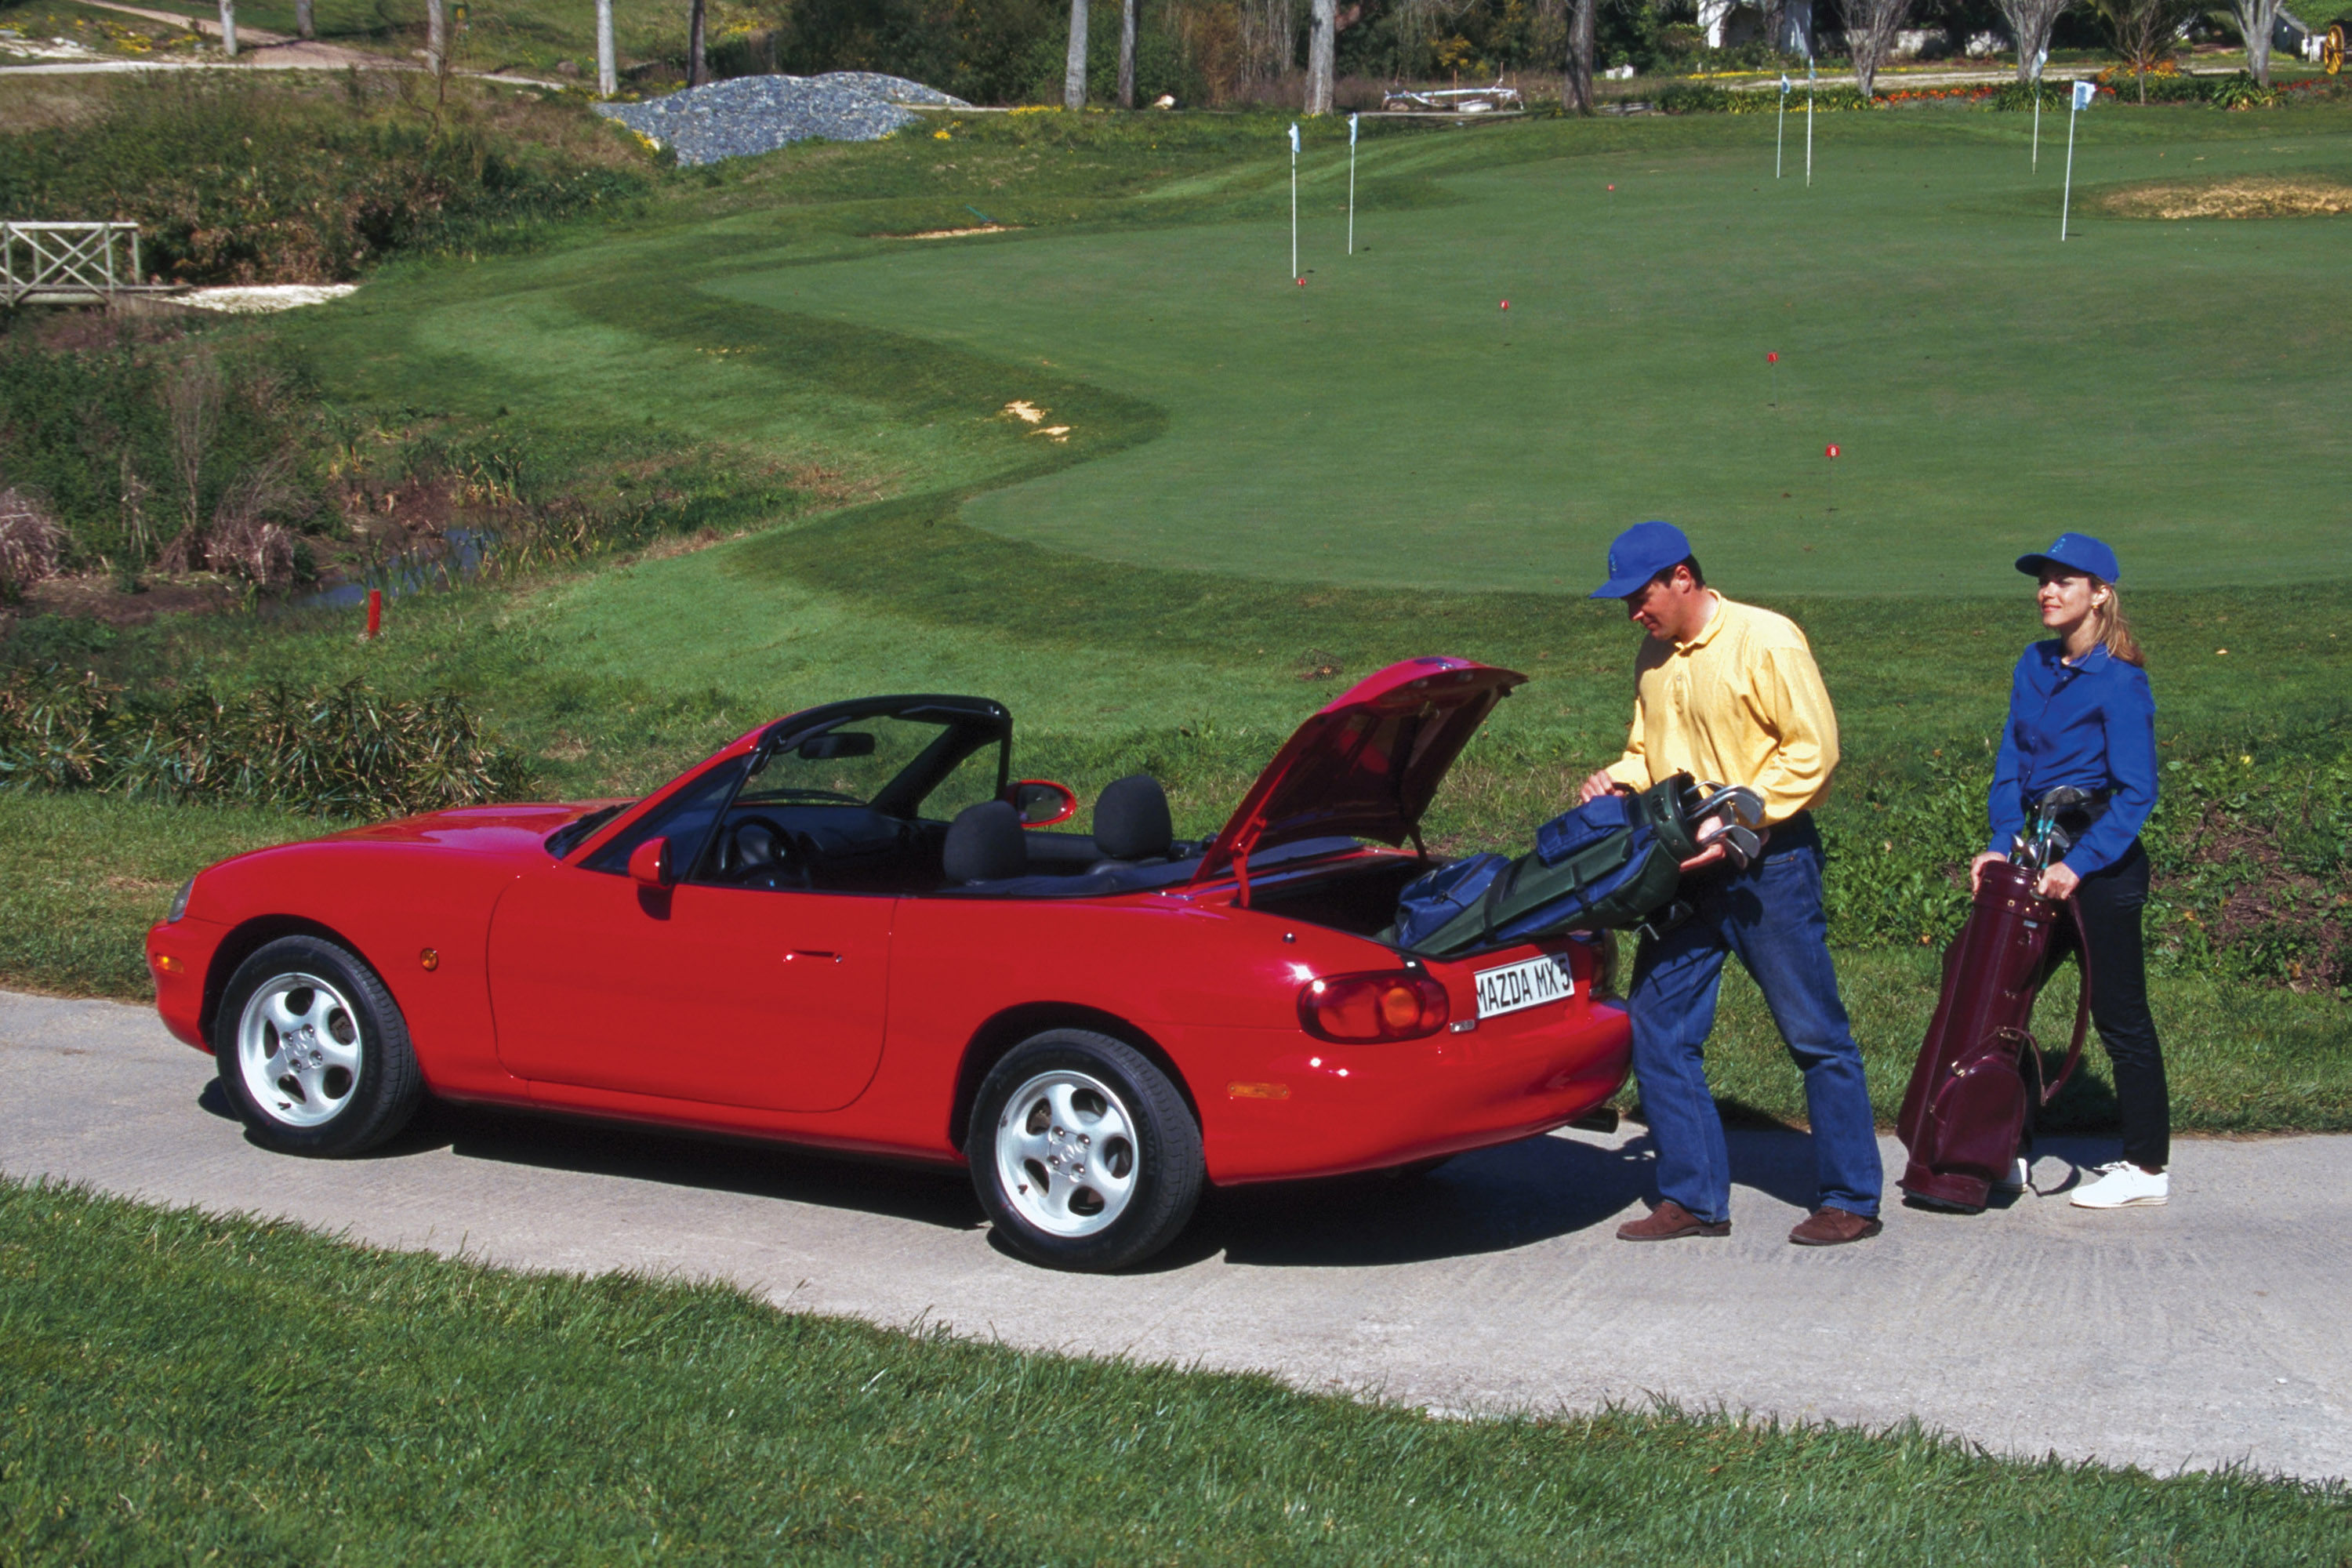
184 1387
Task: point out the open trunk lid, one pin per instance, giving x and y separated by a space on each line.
1367 765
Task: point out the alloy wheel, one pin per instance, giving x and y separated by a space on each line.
1066 1153
298 1050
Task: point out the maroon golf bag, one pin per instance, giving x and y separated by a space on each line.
1967 1105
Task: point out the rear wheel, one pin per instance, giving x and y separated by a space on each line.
1083 1153
312 1051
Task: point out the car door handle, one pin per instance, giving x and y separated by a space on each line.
799 953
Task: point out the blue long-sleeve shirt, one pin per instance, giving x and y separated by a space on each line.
2091 725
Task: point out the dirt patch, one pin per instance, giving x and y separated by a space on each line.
2259 901
2249 196
92 596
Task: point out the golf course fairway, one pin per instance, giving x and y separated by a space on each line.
2176 387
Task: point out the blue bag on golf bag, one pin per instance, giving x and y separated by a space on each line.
1614 861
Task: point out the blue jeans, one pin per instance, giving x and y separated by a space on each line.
1770 915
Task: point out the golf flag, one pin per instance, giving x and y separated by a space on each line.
1352 182
1351 128
1784 84
2040 59
1294 139
1295 275
2083 93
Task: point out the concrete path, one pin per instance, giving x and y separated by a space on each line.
2206 1334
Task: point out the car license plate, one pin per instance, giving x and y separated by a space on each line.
1531 983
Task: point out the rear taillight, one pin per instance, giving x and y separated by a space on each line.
1393 1005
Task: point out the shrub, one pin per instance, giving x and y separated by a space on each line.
30 542
339 750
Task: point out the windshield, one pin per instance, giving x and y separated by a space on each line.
893 763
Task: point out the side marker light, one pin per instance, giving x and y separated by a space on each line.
429 959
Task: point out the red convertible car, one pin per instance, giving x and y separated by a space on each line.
855 928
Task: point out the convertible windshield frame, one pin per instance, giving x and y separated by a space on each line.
967 725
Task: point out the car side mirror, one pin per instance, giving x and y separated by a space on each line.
838 744
649 864
1043 802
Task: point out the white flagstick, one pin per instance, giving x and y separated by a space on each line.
2039 61
1809 124
1295 273
2083 93
1781 133
1352 182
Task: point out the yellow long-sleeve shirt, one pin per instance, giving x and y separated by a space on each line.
1741 703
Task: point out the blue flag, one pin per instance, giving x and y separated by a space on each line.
1784 84
2083 93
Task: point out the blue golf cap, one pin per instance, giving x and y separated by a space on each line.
2076 552
1640 554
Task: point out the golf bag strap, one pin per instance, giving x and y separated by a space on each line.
2082 1003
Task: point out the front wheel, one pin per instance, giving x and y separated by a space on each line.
313 1052
1084 1155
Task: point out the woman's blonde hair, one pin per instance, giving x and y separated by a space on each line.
2114 630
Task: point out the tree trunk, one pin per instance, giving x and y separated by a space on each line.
1578 86
436 34
228 28
608 79
1870 29
305 24
1322 19
698 59
1074 67
1127 54
2256 20
2030 22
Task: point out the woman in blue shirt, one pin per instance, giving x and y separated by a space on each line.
2080 713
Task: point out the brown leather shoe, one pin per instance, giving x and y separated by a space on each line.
1833 1227
1670 1222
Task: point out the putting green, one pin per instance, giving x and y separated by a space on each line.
2175 387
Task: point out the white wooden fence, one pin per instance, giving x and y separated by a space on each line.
68 263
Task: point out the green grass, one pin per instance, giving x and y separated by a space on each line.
183 1387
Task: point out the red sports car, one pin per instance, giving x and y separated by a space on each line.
854 928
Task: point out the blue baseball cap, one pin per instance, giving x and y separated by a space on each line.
1640 554
2075 553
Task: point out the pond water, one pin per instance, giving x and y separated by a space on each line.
457 556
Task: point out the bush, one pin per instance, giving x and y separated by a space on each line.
239 181
337 751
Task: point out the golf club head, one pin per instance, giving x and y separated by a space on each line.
1741 846
2054 801
1744 805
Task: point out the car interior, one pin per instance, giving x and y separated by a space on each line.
911 796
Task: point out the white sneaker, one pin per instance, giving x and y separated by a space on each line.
2123 1185
2019 1178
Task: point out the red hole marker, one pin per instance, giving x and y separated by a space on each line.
375 613
1773 359
1829 485
1507 304
1830 450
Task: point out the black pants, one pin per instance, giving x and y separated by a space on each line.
2111 901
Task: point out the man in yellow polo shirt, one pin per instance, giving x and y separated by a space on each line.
1729 694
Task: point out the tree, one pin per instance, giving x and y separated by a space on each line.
2030 22
1870 29
1127 54
2257 20
2145 32
305 24
1073 69
698 57
1577 88
1323 17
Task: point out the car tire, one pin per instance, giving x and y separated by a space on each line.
1084 1153
313 1051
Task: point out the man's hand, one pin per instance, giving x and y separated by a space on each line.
1976 866
1711 853
1596 786
2058 881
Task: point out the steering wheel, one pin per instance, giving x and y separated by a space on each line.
758 850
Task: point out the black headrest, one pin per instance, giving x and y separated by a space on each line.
755 843
985 844
1131 820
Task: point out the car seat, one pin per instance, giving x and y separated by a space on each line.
1131 822
985 844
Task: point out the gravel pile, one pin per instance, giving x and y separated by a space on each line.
753 114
